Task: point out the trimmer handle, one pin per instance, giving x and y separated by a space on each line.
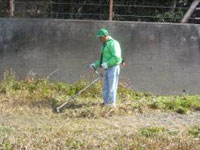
93 67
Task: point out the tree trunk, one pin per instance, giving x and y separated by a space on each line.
190 11
173 5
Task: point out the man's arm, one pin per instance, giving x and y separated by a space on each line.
97 63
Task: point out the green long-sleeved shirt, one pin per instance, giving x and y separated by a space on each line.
111 53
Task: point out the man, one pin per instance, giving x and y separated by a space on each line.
110 60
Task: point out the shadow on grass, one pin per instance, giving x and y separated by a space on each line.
76 105
73 105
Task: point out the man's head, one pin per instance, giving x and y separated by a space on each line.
102 34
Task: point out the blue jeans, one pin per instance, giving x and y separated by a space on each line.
111 79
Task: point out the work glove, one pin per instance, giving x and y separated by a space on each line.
92 66
104 65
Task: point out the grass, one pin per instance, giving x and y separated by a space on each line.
29 122
43 93
151 131
195 131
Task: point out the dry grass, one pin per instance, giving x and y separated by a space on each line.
28 122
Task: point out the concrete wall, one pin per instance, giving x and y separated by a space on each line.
160 58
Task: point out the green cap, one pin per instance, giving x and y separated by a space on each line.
102 32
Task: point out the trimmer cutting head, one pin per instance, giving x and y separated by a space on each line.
58 110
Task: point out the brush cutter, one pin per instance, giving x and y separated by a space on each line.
58 109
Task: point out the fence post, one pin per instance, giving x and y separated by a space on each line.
11 8
111 10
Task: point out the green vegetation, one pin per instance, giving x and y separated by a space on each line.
151 131
6 146
195 131
43 93
124 10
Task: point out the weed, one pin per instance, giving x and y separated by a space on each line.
5 130
181 110
151 131
173 132
43 93
195 131
6 145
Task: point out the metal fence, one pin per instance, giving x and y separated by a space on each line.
81 9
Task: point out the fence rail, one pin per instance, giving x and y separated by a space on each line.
94 10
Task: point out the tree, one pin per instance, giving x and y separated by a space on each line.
124 10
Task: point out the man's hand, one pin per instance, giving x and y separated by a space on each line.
92 66
104 65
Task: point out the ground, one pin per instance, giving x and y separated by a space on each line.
141 121
43 129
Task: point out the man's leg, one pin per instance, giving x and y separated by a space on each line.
105 89
113 77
